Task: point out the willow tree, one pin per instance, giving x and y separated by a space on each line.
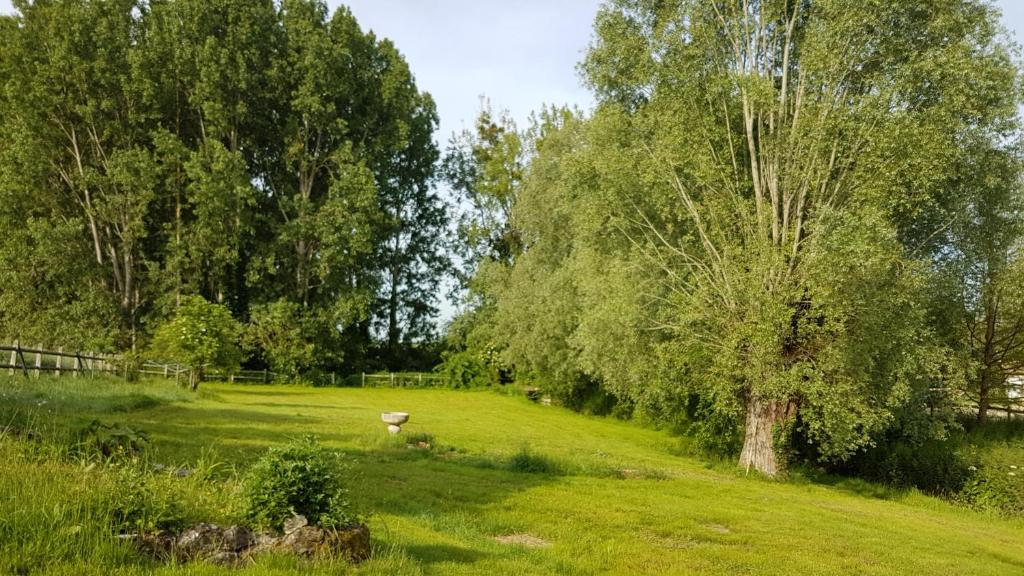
790 160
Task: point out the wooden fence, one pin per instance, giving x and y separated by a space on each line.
57 361
36 360
400 380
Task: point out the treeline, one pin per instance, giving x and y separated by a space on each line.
267 156
792 227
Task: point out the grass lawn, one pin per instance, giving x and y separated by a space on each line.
620 498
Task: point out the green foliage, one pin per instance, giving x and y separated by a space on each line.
934 467
301 478
199 335
247 152
996 482
466 369
113 440
276 330
144 502
724 225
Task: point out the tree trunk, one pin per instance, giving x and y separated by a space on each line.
989 363
984 401
393 330
763 416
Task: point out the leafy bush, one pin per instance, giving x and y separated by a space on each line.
467 369
280 333
112 440
144 502
200 335
302 478
997 481
934 467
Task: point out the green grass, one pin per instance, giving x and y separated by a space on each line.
608 496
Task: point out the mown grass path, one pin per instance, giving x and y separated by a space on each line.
621 501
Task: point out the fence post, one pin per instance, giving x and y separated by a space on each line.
88 362
266 379
60 359
78 364
166 366
39 360
332 379
421 379
392 379
363 380
24 364
14 358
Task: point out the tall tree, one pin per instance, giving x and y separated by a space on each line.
977 303
263 155
803 146
79 113
411 249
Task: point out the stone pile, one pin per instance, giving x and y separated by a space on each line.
234 544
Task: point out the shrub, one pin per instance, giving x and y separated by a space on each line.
467 369
200 335
280 333
301 477
934 467
143 502
996 482
111 440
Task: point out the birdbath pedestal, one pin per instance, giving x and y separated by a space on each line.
394 420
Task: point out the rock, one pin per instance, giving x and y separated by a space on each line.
304 541
353 543
236 539
182 473
199 541
231 545
262 542
224 558
294 523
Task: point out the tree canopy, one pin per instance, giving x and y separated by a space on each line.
747 230
253 153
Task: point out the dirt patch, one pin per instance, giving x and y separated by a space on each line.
523 540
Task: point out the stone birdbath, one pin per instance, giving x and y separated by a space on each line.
394 420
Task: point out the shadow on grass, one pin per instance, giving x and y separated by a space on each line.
287 405
266 390
848 484
436 553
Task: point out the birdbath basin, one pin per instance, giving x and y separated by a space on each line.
394 420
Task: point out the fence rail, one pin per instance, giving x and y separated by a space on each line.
400 379
36 360
56 361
